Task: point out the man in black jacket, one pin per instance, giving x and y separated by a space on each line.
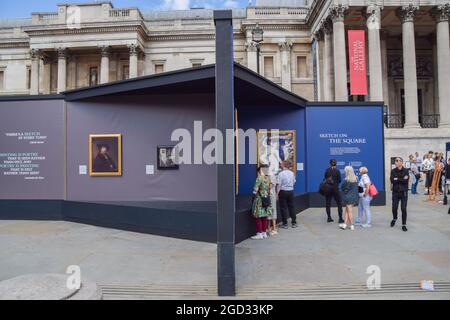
335 175
399 187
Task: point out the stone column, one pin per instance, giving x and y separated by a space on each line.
134 52
250 46
338 13
328 61
62 70
406 15
285 48
104 67
373 16
384 63
46 75
34 81
318 36
441 13
72 72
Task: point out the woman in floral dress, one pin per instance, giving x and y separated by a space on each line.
262 208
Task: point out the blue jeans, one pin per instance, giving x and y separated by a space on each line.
414 186
364 208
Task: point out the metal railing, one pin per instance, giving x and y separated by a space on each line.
429 120
394 121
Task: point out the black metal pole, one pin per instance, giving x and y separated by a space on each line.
226 281
258 53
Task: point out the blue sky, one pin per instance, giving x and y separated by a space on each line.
23 8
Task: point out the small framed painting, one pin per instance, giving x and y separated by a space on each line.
167 158
105 155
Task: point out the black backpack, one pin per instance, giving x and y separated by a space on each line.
325 186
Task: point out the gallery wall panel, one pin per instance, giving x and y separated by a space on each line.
32 149
273 118
144 123
351 134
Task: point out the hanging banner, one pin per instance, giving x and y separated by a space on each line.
357 62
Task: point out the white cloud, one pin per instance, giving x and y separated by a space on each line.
176 4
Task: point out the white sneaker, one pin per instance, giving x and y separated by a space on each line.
367 226
264 234
258 236
352 227
273 232
343 226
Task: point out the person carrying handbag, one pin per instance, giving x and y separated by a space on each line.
261 207
364 199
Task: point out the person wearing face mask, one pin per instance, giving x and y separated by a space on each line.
399 186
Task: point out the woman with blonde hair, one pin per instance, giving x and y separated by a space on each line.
364 199
350 196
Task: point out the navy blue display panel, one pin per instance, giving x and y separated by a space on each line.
260 118
351 134
32 149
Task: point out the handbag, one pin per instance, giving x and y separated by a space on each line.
265 201
325 186
373 192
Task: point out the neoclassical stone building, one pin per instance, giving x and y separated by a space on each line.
304 50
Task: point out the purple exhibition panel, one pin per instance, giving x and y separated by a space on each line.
143 122
32 149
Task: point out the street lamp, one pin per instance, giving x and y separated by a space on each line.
257 38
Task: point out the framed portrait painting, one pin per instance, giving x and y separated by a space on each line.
105 155
276 146
167 158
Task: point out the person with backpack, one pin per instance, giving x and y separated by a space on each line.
261 207
333 178
364 199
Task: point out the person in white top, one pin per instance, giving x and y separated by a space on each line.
286 182
428 169
364 199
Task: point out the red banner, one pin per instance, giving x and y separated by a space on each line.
357 62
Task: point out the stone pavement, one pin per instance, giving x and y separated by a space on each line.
311 261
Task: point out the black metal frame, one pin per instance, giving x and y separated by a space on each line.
394 120
429 120
226 202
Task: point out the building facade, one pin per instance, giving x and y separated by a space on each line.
304 50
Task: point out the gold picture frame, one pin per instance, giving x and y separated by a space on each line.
99 167
283 135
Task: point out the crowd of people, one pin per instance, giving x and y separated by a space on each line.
433 170
348 193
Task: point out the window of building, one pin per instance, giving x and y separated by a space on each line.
159 68
2 79
28 77
302 68
195 63
125 72
268 67
93 76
